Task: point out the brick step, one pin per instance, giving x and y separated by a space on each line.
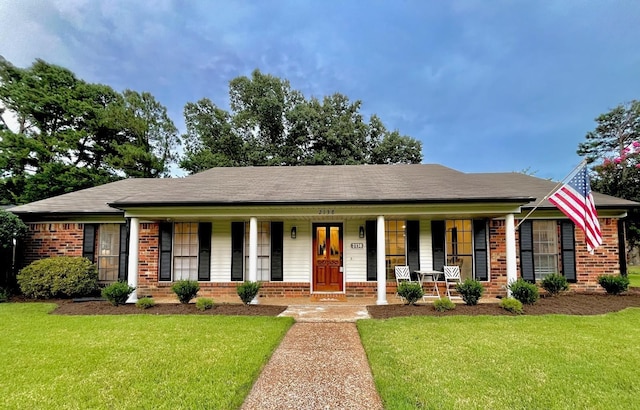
328 297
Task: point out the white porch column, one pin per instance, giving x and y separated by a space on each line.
510 236
381 270
132 263
253 253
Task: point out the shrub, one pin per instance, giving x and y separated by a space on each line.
554 284
411 292
511 305
247 291
614 285
471 290
117 293
4 295
145 303
444 304
525 292
204 304
64 276
185 290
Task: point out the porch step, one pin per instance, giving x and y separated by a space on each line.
328 297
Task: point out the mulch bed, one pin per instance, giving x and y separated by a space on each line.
567 304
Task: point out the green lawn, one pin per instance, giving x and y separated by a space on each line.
526 362
634 276
130 362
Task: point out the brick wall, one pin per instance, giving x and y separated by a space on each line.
588 267
45 240
148 259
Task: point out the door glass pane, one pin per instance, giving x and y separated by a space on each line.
335 242
321 235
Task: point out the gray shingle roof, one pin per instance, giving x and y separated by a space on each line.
312 184
539 188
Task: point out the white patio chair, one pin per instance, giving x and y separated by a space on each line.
451 279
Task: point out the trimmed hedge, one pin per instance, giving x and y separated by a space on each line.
411 292
64 276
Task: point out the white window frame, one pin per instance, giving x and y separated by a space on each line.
184 253
108 252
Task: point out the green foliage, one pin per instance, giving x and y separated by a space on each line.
185 290
525 292
11 227
512 305
554 284
271 123
204 304
64 276
443 304
4 295
71 134
471 291
117 293
411 292
616 169
614 285
247 291
145 303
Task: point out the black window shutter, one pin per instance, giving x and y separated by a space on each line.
622 251
527 268
568 246
437 244
480 250
89 242
372 249
123 260
237 251
277 229
204 251
413 245
166 236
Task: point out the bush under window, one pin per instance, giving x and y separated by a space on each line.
117 293
554 284
471 291
64 276
525 292
185 290
411 292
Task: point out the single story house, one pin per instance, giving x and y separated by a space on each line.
318 230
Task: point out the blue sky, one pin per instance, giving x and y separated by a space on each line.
487 86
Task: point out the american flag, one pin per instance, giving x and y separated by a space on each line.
574 199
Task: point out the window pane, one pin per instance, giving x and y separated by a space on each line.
108 252
394 246
459 245
545 248
185 251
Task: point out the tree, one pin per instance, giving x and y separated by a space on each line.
210 140
614 150
11 228
72 135
272 124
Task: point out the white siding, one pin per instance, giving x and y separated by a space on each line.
297 252
426 253
355 260
221 251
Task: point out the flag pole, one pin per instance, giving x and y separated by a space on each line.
559 184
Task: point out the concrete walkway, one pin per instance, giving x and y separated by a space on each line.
320 364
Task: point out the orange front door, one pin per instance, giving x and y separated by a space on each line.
327 257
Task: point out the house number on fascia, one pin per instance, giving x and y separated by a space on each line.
326 211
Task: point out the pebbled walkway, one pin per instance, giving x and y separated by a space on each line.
320 364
